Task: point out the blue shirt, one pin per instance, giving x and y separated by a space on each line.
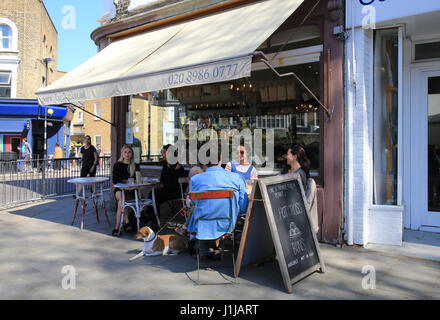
212 217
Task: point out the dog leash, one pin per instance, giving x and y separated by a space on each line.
166 223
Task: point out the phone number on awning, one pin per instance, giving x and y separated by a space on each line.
202 75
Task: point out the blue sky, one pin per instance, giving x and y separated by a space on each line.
75 20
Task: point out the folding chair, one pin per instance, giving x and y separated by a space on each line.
217 194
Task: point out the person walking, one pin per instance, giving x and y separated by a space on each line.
27 155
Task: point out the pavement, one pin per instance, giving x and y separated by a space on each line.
43 256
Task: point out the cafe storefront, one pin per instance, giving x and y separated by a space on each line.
273 67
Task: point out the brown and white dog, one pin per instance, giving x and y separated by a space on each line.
155 245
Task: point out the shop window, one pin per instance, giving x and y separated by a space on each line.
263 101
5 84
385 117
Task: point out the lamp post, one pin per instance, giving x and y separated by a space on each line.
50 111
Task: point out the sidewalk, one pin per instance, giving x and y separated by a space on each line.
37 241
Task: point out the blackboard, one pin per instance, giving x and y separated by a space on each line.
287 217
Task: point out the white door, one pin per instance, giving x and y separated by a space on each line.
425 148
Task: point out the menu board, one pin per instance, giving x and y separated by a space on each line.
288 219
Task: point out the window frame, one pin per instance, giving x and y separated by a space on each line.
95 105
14 36
425 41
400 103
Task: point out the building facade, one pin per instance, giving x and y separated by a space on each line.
28 38
308 43
392 119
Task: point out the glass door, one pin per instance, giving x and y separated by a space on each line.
424 151
433 145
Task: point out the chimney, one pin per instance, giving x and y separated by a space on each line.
122 7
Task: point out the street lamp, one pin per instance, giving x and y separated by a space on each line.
50 111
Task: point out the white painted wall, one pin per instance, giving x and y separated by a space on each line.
358 154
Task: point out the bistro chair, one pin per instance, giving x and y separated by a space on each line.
206 196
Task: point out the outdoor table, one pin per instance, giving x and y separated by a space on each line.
82 197
138 203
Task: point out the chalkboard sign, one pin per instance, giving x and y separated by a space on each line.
288 219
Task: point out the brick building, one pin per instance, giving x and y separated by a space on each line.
31 37
28 37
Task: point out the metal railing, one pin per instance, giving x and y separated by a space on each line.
21 181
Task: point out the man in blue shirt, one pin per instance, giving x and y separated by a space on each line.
212 217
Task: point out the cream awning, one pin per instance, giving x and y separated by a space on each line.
210 49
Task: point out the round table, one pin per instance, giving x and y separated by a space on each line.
82 197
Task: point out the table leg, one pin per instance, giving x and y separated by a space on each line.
122 212
105 212
74 211
84 206
96 208
137 213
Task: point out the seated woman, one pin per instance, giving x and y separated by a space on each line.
169 187
243 168
297 161
122 170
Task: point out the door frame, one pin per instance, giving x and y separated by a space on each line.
420 72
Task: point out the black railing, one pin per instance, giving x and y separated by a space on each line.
21 181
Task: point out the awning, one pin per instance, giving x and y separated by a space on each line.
210 49
16 126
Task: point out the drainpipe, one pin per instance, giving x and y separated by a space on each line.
353 85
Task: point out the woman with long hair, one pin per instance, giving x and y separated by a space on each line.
297 161
124 169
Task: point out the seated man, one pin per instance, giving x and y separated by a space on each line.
202 223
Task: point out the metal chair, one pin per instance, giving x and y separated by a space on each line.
206 196
137 205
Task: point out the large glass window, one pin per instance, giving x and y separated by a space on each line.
5 37
280 108
385 114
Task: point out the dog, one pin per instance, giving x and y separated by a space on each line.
155 245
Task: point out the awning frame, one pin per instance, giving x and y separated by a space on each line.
260 56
